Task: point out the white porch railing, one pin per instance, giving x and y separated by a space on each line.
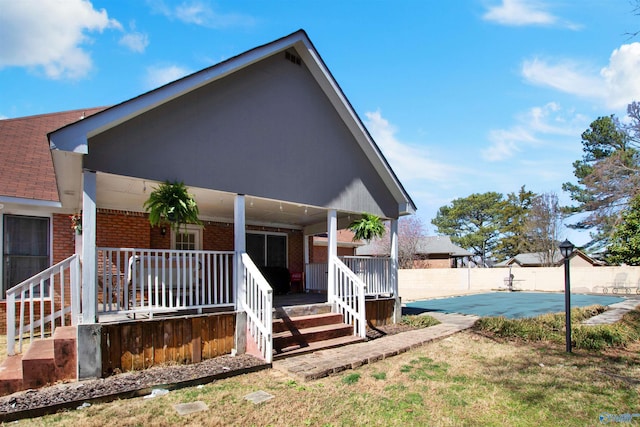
375 273
315 276
349 297
258 305
155 281
58 287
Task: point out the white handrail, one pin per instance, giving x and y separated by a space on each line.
375 272
258 305
47 287
350 298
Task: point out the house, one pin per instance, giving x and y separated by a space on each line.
430 252
540 259
274 154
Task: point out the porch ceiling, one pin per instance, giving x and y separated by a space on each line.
129 194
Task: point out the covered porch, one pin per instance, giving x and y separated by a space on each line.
141 284
267 171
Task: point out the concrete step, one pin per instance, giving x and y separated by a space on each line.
301 322
301 310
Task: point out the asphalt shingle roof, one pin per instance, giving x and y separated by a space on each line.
26 167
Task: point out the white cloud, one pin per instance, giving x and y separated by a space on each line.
135 41
533 129
200 12
565 76
520 13
50 34
615 85
410 163
505 143
161 75
621 76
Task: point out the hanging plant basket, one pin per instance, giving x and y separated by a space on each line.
367 228
171 203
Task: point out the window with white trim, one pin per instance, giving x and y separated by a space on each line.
188 238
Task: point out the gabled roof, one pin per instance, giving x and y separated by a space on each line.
536 259
429 245
25 159
74 138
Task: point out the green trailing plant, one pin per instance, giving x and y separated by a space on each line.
367 228
171 203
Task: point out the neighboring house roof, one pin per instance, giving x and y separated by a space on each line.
427 245
344 237
431 245
25 162
536 259
207 89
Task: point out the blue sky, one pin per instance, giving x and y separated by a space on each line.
462 96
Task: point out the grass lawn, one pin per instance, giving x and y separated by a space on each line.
466 379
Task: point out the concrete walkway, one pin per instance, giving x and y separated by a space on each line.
322 363
614 313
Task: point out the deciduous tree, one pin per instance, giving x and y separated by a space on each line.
543 227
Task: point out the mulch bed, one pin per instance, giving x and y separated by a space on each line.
47 400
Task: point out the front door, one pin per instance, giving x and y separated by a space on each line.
25 248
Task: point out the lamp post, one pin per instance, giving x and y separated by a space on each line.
566 249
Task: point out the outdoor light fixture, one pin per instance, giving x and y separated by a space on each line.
566 249
163 230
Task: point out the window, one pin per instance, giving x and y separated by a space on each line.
189 238
269 250
25 248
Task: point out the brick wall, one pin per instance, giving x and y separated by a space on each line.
118 229
319 253
63 237
218 237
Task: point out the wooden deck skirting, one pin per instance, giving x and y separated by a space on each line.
379 311
141 344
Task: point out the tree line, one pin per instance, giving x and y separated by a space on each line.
496 227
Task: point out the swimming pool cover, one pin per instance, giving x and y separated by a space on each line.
513 305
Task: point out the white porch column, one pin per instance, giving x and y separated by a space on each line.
332 252
88 286
397 314
240 247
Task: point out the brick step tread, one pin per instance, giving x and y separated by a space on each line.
311 330
11 368
301 322
315 346
306 336
40 350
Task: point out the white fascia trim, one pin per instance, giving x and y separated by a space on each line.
30 202
353 122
